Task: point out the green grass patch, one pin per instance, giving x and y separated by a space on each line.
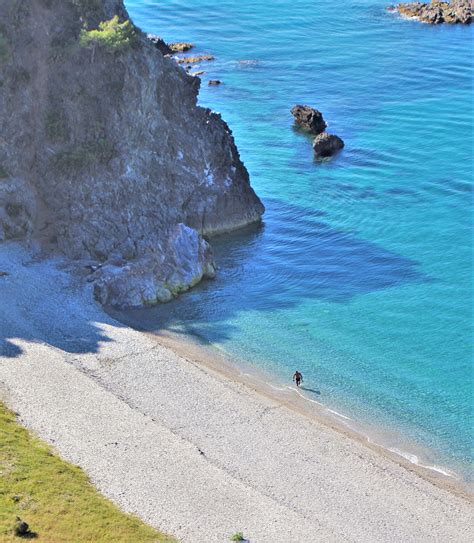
55 498
113 35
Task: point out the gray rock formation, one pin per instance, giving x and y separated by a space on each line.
309 119
160 44
104 153
17 209
435 12
155 278
326 145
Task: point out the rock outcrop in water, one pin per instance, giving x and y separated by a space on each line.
309 119
105 155
325 145
180 47
435 12
193 60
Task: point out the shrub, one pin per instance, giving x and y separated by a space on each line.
113 35
55 126
85 155
19 77
239 536
4 50
3 173
74 160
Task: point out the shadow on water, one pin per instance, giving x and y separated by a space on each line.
293 257
306 389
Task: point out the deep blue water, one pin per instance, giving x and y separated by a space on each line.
361 274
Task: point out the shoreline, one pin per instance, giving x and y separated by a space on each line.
193 452
265 384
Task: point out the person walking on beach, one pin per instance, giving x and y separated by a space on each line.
297 378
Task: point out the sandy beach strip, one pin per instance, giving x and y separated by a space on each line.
188 449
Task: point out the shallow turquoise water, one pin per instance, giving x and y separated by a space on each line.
361 274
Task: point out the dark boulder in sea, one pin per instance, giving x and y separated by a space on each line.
435 12
309 119
326 145
214 82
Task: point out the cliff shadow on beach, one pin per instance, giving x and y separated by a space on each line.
41 302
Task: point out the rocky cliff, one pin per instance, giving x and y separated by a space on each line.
105 155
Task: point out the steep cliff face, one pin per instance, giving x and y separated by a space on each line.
104 153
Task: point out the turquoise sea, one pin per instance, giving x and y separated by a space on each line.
361 275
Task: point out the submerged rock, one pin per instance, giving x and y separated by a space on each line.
214 82
193 60
435 12
180 47
309 119
105 154
326 145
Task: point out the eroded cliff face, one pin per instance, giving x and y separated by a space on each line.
104 153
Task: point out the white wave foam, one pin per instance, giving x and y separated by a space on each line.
339 414
413 458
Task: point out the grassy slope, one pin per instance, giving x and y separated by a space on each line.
56 498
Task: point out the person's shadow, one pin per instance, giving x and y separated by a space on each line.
310 390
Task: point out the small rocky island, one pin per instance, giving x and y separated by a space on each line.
435 12
311 120
105 155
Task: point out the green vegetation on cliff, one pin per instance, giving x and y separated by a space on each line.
113 35
4 51
55 498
